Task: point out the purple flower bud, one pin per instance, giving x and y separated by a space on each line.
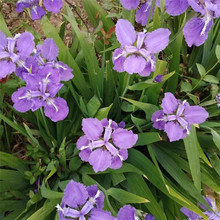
158 78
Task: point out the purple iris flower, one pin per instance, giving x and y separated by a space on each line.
80 202
197 28
106 151
136 54
177 117
130 4
14 51
129 213
53 6
190 214
40 91
176 7
36 11
193 216
143 12
46 55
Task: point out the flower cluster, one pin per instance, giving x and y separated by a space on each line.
41 71
196 29
36 10
136 54
80 202
193 216
106 150
177 117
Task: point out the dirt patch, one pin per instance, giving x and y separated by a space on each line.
18 22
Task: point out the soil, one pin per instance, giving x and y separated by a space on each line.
15 21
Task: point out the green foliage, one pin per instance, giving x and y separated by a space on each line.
159 177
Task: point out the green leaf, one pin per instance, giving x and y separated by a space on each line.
138 121
210 102
216 138
149 83
3 26
62 153
117 178
124 196
147 138
126 168
48 193
12 179
33 139
174 64
139 187
65 56
149 109
211 79
94 10
12 162
103 112
93 106
176 172
201 69
160 67
215 161
191 143
43 212
52 169
75 163
94 73
217 52
152 174
186 87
